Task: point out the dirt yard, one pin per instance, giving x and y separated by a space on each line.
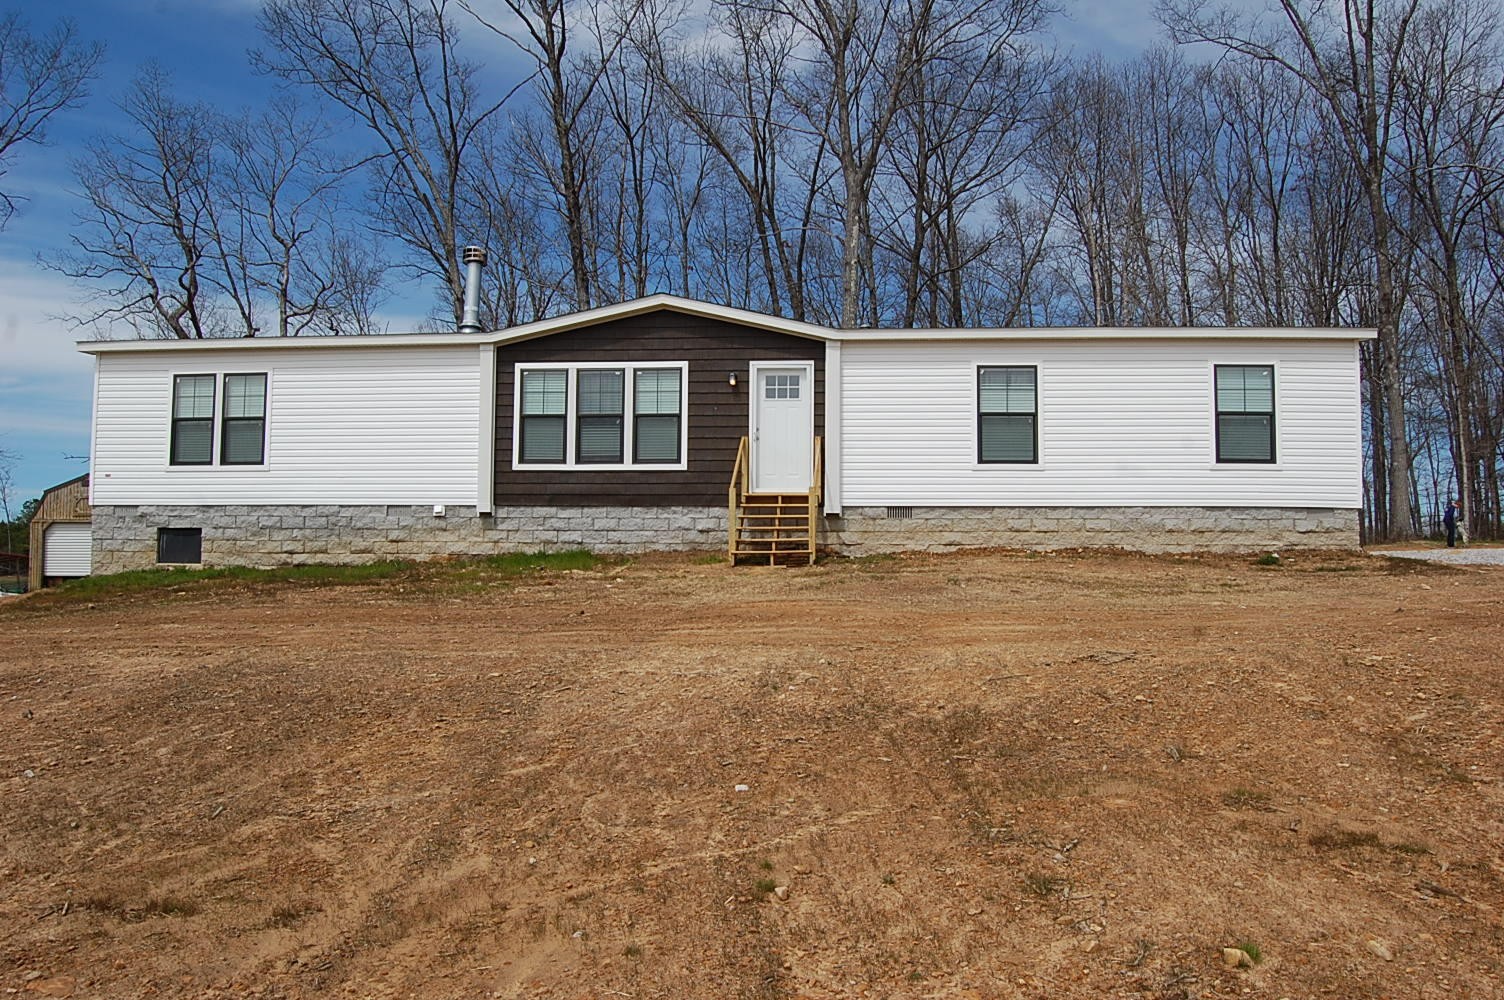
972 776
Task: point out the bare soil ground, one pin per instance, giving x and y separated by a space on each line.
978 775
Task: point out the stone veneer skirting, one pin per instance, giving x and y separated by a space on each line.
1145 529
125 537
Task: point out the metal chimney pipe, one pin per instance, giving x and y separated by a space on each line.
475 259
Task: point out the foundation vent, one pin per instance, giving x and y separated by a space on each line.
900 513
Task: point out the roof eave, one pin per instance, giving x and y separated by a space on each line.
730 314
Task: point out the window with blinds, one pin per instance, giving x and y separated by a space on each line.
1245 413
239 425
541 431
244 426
656 413
1007 414
193 419
601 396
600 415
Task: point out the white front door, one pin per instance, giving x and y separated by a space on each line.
783 427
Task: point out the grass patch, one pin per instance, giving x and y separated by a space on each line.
289 914
122 908
1409 847
1042 885
1246 798
439 573
1348 840
1267 559
1344 840
1252 950
518 563
146 580
765 885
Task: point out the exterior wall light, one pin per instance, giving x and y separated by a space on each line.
731 380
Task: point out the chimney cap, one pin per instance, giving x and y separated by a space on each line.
474 255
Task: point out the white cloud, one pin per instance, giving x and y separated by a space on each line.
34 338
45 384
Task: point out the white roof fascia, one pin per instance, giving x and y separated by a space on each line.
743 317
1107 333
527 331
282 343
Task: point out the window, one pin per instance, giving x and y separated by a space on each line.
239 425
545 396
607 416
781 387
193 419
244 421
180 545
1245 413
600 396
1007 412
655 421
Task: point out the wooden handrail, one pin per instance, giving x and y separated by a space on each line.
734 493
815 488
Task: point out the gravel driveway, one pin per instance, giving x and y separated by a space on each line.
1490 556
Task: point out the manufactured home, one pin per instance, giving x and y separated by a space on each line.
667 423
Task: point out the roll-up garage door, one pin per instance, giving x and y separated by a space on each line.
66 549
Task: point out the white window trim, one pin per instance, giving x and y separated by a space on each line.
217 465
1279 425
629 401
1040 424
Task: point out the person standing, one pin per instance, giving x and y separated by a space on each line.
1450 520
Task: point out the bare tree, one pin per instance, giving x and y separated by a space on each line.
196 225
572 44
279 231
959 141
1452 117
143 243
729 92
8 460
395 65
1347 54
40 76
850 96
1084 153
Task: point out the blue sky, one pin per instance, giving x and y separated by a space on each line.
45 384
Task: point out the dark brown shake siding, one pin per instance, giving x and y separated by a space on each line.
717 413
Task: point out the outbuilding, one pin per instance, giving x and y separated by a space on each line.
62 534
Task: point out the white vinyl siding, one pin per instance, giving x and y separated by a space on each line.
1128 423
351 425
66 548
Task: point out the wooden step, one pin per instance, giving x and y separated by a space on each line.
773 527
